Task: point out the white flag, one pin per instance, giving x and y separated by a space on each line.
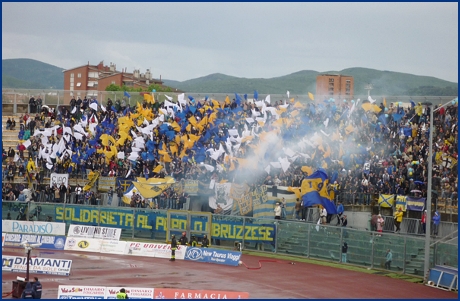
93 106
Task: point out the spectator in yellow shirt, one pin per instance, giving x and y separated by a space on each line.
398 220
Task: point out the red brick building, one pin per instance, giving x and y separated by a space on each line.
88 80
334 86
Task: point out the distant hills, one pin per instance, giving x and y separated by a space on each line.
32 74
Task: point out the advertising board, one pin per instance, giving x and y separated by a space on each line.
153 250
213 256
94 232
48 242
83 244
81 292
173 293
132 292
43 228
37 265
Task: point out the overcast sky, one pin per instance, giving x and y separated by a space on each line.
182 41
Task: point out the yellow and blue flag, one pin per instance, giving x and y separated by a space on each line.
386 200
314 191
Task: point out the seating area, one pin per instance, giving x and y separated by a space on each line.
364 249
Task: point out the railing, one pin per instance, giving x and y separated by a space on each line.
306 239
15 97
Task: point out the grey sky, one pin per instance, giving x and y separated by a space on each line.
182 41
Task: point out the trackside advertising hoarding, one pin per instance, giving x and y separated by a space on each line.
132 292
94 232
37 265
172 293
213 256
39 228
48 242
153 250
81 292
83 244
101 292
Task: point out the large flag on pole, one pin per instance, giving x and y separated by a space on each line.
314 191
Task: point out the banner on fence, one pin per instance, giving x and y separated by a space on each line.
48 242
46 228
400 203
191 186
386 200
81 292
415 204
124 183
106 182
153 250
221 196
94 232
177 293
58 179
157 222
240 193
83 244
37 265
113 247
132 292
213 256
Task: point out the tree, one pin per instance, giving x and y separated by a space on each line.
113 87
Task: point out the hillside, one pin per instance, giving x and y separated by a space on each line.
38 75
302 82
32 74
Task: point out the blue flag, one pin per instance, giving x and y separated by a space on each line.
256 95
127 94
412 103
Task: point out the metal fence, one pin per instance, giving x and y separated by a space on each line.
20 97
305 239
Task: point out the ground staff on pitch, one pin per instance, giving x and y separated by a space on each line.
37 287
122 294
173 247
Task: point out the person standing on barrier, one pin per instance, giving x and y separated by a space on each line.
37 287
122 294
173 248
388 259
205 241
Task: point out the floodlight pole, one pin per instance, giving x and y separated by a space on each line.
428 200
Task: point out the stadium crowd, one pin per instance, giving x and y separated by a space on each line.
365 148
